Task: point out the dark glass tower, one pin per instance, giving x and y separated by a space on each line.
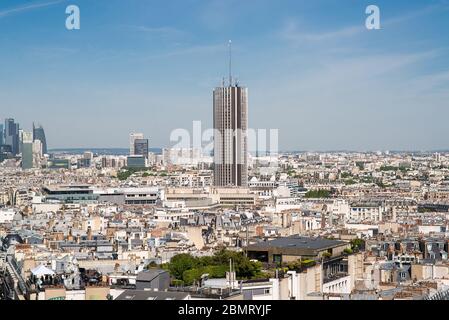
141 147
2 134
39 134
12 135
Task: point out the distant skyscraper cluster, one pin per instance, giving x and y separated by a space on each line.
15 142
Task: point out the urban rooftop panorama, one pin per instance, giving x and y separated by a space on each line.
174 225
218 211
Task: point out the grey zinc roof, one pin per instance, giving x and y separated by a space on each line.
151 295
364 296
299 242
149 275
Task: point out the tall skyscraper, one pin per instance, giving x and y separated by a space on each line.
37 148
132 138
2 134
39 134
20 140
230 128
3 147
12 135
27 150
141 147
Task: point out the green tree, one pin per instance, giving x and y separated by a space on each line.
127 172
388 168
321 193
181 263
360 164
350 182
345 175
193 275
189 269
357 244
123 175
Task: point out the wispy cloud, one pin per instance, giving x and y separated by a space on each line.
195 50
198 49
51 52
366 94
443 6
28 7
436 84
291 31
175 50
164 31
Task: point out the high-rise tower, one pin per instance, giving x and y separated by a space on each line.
27 150
39 134
141 147
230 128
12 135
132 138
2 134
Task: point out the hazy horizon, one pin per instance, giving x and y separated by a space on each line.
152 149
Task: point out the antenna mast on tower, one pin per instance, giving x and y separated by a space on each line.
230 63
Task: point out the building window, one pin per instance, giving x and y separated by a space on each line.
277 258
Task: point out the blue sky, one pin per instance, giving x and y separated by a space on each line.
312 68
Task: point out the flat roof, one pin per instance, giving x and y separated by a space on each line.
78 187
151 295
298 242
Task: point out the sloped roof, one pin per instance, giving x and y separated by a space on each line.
42 270
149 275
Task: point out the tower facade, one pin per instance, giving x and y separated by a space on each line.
141 147
27 150
12 135
230 136
132 138
2 133
39 134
